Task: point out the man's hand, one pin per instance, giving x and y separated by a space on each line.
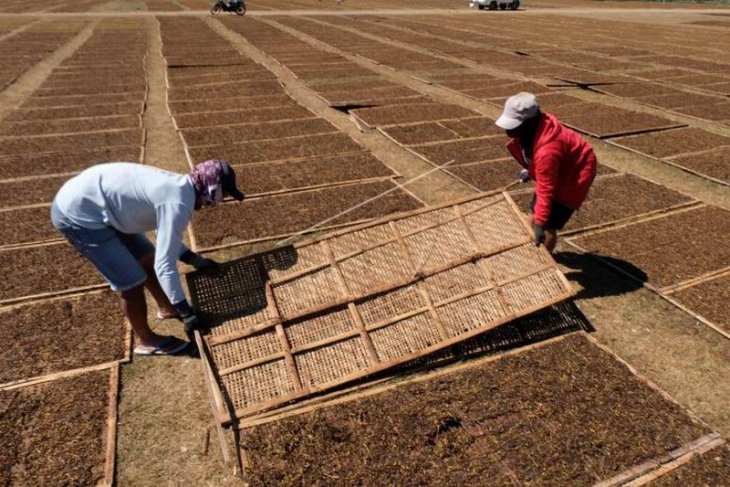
200 263
524 176
539 235
187 315
191 322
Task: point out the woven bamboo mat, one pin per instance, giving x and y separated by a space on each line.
303 319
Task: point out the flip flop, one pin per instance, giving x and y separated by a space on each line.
170 345
160 316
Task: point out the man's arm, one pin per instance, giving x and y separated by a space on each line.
547 167
172 219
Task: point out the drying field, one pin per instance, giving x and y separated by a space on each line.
327 111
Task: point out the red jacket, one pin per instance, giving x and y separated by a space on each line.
563 166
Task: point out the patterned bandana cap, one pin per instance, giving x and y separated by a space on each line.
207 180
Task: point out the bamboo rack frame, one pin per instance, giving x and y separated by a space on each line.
669 467
373 389
651 468
671 163
428 309
708 276
477 254
418 369
619 133
215 396
111 428
287 352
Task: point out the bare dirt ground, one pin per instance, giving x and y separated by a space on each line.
166 434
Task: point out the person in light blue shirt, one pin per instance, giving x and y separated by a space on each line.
104 213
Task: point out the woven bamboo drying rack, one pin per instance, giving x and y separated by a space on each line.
303 319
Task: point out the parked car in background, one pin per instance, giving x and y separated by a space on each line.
494 4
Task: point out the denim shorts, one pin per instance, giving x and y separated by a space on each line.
114 254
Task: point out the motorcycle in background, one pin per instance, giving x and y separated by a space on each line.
239 7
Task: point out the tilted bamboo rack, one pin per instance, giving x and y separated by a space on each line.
286 324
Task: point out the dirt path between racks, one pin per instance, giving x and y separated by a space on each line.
165 426
18 30
15 94
163 146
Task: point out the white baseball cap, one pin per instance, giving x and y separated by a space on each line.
517 109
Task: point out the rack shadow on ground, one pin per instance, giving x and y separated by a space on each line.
557 320
237 288
597 275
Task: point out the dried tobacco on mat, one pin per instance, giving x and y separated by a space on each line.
619 122
44 269
564 414
240 88
278 150
716 111
78 111
65 162
78 100
53 433
289 213
27 225
420 133
669 250
11 146
465 151
230 103
677 99
69 126
19 193
615 198
256 131
59 335
714 163
488 176
397 114
635 90
674 142
710 299
278 176
213 119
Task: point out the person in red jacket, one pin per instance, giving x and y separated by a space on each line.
562 164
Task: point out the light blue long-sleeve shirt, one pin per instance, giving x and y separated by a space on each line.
133 198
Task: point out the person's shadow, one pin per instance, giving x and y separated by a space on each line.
599 275
237 288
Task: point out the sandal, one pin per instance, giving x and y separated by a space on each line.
169 345
160 316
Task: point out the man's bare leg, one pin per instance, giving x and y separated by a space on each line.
167 310
135 309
